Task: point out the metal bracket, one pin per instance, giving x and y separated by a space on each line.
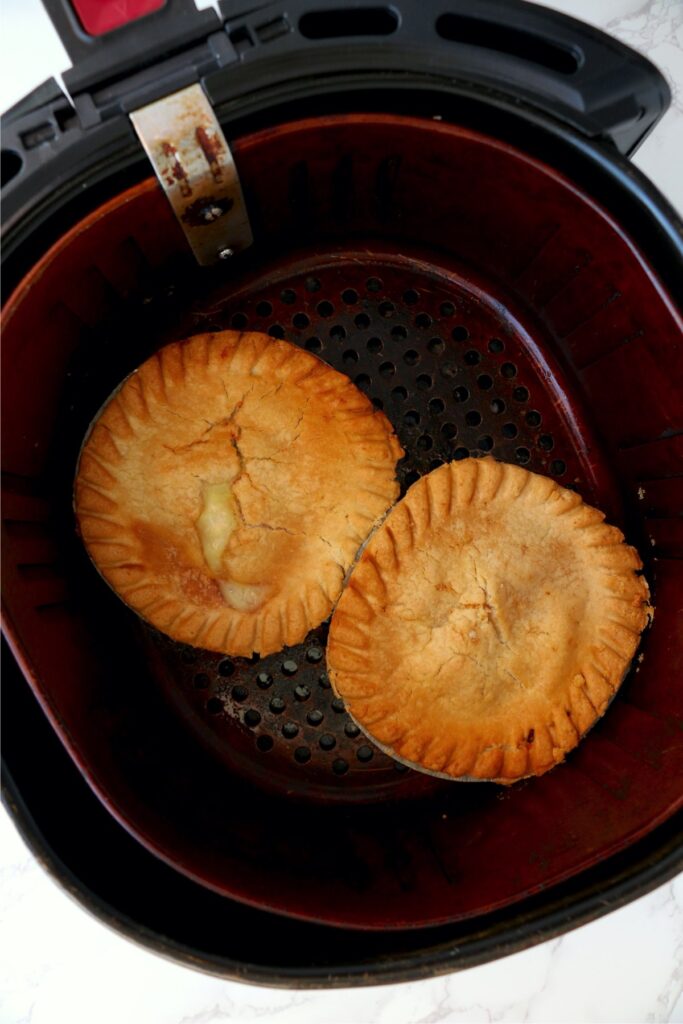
194 165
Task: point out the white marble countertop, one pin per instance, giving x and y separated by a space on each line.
60 966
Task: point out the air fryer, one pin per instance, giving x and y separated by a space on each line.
441 207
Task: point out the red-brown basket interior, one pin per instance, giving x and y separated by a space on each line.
460 221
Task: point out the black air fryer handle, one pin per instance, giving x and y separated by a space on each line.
541 58
131 47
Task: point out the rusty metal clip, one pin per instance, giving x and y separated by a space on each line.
194 165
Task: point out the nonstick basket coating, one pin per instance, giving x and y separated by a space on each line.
249 776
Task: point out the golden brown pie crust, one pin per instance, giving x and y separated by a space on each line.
488 623
225 488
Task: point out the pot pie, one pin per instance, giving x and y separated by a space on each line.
488 623
225 488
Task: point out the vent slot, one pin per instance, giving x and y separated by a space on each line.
457 28
335 24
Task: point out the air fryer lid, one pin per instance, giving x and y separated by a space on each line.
481 323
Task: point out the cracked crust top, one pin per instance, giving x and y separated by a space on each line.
487 624
226 487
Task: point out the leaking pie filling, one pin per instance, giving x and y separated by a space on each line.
226 487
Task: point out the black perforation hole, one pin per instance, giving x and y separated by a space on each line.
449 371
363 381
340 766
387 309
288 296
460 333
509 430
520 394
436 345
399 393
252 718
264 743
277 705
533 418
238 321
327 741
264 308
289 667
447 309
496 345
312 284
545 441
472 357
300 321
362 321
351 730
302 755
411 296
473 418
325 308
411 477
424 382
411 418
314 654
485 443
387 370
314 345
349 296
373 284
374 345
337 705
399 332
436 406
435 463
364 753
264 681
378 403
497 405
314 717
350 357
461 394
425 443
290 730
214 706
337 333
449 431
201 681
423 320
484 381
461 453
411 357
302 692
239 693
276 331
226 668
508 370
522 455
324 681
558 467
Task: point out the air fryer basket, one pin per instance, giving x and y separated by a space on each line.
488 305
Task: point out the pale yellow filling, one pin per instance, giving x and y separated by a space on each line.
216 524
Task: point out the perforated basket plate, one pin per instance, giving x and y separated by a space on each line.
457 375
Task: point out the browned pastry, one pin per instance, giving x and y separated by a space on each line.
487 624
225 488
